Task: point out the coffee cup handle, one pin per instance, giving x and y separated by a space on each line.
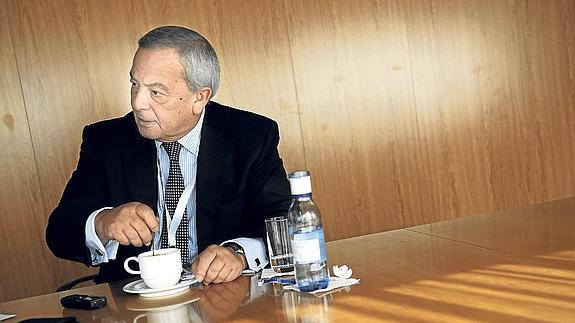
139 317
127 266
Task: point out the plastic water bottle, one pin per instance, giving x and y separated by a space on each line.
306 235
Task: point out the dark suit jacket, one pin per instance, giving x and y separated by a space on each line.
240 181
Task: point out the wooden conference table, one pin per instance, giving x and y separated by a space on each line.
511 266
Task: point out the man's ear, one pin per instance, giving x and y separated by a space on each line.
201 98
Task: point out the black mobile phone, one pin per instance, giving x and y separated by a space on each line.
83 302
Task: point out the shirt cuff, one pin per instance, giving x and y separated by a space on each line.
99 253
254 251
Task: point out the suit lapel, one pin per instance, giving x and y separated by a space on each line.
213 161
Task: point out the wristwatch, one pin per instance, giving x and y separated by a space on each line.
236 248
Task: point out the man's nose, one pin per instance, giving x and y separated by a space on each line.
139 99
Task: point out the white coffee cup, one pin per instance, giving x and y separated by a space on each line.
159 269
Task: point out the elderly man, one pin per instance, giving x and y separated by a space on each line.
175 147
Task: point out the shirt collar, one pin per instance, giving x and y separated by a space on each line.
191 141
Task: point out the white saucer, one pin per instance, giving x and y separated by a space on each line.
139 287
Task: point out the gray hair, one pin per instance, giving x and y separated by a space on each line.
197 55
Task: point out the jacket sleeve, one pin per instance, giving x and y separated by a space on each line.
270 187
84 193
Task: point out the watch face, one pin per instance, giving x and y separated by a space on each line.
236 248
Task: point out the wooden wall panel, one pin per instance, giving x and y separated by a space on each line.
406 112
469 102
71 76
547 47
63 63
22 247
351 63
418 111
256 67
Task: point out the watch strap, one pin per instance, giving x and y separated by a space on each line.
235 247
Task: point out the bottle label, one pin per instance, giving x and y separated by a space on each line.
308 247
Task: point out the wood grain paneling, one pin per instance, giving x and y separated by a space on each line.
418 111
62 62
406 112
547 48
469 102
352 69
256 68
71 76
22 250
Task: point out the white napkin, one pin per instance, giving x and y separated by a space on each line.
6 316
342 271
269 273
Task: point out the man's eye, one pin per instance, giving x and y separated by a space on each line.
155 93
134 84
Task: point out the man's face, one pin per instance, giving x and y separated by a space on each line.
163 104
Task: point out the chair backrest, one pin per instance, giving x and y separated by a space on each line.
68 285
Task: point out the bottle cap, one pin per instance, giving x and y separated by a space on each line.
300 182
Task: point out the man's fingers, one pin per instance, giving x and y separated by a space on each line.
133 236
122 239
217 264
119 222
236 264
214 270
142 221
147 215
143 231
223 274
233 274
203 263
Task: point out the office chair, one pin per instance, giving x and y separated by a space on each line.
68 285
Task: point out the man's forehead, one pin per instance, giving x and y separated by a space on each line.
156 63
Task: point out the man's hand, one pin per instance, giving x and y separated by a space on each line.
129 224
218 264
